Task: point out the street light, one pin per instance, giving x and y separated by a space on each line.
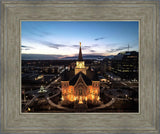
29 109
126 96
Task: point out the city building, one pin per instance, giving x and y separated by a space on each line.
80 85
125 65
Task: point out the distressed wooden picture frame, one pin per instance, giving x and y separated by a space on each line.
146 121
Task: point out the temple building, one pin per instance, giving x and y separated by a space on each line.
80 85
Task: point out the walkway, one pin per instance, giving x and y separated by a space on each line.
103 105
29 102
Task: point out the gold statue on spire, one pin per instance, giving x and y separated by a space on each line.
80 44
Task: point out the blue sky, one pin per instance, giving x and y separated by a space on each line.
63 37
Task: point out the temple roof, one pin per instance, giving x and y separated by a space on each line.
75 78
92 75
80 58
67 75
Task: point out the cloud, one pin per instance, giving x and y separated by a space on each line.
100 38
26 49
95 44
23 47
92 51
53 45
86 47
37 31
57 46
40 33
75 46
83 47
41 57
117 49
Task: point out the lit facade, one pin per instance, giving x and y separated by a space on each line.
80 89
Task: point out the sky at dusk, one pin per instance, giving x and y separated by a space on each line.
62 37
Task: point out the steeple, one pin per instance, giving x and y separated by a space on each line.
80 58
80 64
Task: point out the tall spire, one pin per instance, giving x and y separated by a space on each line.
80 58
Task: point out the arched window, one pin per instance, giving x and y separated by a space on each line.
80 91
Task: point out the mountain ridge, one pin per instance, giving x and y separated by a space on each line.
60 57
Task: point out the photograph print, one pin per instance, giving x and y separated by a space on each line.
79 66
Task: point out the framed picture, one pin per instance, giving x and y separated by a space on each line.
98 75
80 66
